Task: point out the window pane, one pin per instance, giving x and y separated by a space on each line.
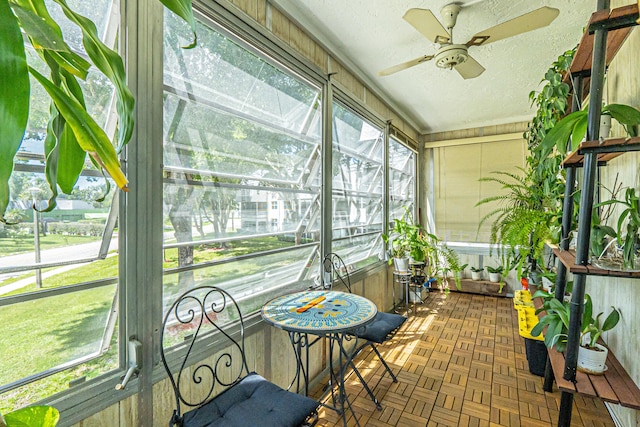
358 176
241 170
402 179
57 330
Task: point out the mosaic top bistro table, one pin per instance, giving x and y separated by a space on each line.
324 314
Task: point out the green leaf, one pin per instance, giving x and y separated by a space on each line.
55 128
35 20
89 135
579 131
72 156
559 135
46 35
110 63
71 62
625 115
587 312
537 329
183 9
31 416
612 320
14 97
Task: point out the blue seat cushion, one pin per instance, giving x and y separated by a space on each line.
382 325
253 401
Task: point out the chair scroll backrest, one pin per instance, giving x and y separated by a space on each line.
334 271
203 311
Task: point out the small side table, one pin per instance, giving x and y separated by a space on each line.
403 278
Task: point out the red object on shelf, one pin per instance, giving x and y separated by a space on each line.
525 283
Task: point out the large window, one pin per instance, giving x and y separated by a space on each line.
241 135
59 269
358 182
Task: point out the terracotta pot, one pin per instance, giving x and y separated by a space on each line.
592 361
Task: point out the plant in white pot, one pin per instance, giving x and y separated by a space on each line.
400 257
476 273
592 355
495 273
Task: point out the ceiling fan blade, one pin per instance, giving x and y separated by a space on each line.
529 21
470 68
427 24
405 65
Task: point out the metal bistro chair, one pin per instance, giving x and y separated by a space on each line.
199 319
382 329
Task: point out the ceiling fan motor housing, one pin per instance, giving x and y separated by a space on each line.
451 55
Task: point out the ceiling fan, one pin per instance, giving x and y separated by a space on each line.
456 56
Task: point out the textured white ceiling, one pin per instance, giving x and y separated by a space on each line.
370 35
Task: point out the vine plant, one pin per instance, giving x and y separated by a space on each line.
530 210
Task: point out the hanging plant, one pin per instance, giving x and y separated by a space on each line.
71 132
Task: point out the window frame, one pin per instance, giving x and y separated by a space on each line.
140 210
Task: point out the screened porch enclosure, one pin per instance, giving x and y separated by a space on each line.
254 155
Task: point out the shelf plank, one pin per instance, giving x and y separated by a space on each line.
481 287
615 386
606 150
581 64
568 259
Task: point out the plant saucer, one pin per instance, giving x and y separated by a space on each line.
587 371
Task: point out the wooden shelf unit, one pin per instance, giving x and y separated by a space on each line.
568 258
615 385
619 22
597 53
606 150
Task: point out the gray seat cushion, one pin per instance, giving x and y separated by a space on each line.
382 325
254 401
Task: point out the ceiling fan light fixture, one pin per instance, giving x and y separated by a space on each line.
450 56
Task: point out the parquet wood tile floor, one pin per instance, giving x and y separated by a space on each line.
460 362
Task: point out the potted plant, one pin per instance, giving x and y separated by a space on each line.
462 273
592 355
495 273
556 319
399 256
574 126
627 236
402 234
476 273
31 416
